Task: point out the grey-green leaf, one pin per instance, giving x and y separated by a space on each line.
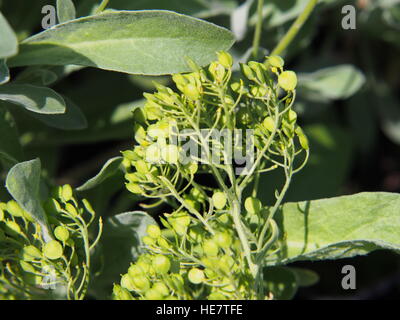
339 227
4 72
23 184
65 10
121 244
339 82
72 119
33 98
109 169
8 39
139 42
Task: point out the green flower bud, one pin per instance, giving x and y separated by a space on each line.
61 233
153 153
153 295
248 72
225 59
141 283
223 239
53 250
27 267
276 61
196 276
127 282
170 154
217 71
14 209
162 243
71 209
287 80
161 264
292 116
269 124
148 241
210 248
252 205
120 293
135 271
2 211
161 288
219 200
12 227
302 138
191 92
66 193
134 188
30 253
153 231
142 167
140 134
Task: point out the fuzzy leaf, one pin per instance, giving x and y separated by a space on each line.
110 167
339 227
23 184
8 39
33 98
139 42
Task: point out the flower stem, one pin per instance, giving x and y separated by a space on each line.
295 28
257 33
102 6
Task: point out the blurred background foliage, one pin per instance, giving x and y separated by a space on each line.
348 102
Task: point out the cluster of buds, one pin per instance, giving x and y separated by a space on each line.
32 267
209 263
186 261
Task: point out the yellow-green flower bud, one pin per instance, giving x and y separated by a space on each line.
225 59
161 264
219 200
127 282
287 80
210 248
153 231
66 193
134 188
276 61
269 124
14 209
252 205
61 233
196 276
53 250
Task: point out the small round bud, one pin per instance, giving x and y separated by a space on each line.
287 80
219 200
302 138
153 295
196 276
134 188
210 248
71 209
252 205
14 209
141 283
61 233
269 124
161 288
27 267
225 59
153 231
191 92
248 72
276 61
127 282
153 153
66 193
12 227
148 241
170 154
30 253
161 264
120 293
53 250
223 239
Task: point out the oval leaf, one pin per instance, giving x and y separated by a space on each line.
339 82
33 98
140 42
23 184
110 167
8 39
339 227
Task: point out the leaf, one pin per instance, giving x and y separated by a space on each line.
281 282
121 245
10 147
239 20
4 72
108 170
33 98
8 39
138 42
23 184
65 10
339 82
36 76
339 227
72 119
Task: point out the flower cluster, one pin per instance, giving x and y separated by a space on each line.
31 265
225 258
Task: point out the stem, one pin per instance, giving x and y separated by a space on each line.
295 28
257 33
102 6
